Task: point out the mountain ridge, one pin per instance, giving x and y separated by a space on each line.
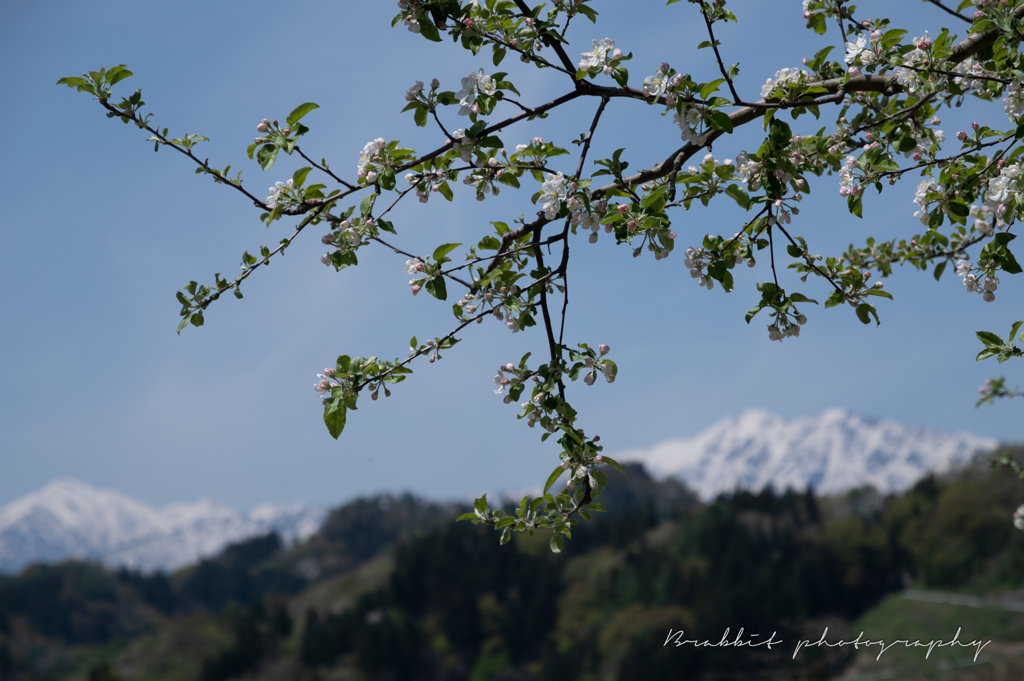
71 519
830 453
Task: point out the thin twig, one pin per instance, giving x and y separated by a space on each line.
323 169
951 11
718 56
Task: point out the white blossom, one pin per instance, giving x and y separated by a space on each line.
474 85
599 55
553 192
1013 103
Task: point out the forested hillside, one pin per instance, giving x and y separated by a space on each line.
392 588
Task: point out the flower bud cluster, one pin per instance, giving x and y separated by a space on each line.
738 251
507 306
593 364
782 327
408 8
979 279
426 183
348 237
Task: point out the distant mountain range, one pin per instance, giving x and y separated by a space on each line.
68 518
830 453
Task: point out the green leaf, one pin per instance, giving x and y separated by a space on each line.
343 364
739 194
753 312
613 463
1013 332
300 176
555 474
864 313
597 507
72 81
801 298
720 121
266 155
366 205
986 353
429 31
300 111
334 416
437 288
504 522
556 544
710 87
386 179
466 516
184 322
443 250
990 339
1009 263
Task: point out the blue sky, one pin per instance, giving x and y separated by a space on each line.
100 232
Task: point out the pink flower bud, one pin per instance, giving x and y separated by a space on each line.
326 258
262 127
622 208
416 289
603 349
598 458
435 83
329 371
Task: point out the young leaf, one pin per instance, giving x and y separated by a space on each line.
443 250
555 474
300 111
334 417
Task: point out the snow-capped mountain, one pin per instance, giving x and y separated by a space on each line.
834 452
68 518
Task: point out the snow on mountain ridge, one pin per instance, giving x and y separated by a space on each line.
68 518
831 453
